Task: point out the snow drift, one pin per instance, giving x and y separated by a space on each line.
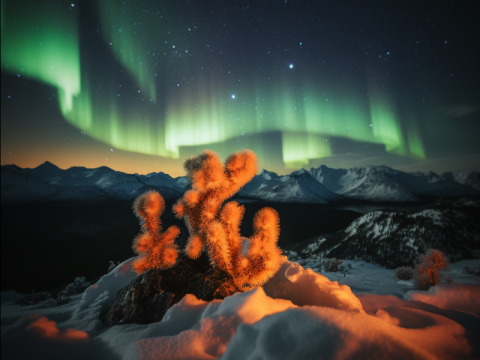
297 315
458 297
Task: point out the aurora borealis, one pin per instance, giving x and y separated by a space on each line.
140 86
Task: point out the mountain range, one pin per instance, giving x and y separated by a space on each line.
320 185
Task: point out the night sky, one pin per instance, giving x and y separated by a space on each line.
140 86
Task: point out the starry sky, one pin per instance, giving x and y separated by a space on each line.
139 86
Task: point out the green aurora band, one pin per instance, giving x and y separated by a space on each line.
130 41
47 49
41 43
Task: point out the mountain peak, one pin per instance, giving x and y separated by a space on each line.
268 175
301 175
45 169
48 164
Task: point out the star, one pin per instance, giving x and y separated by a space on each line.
291 66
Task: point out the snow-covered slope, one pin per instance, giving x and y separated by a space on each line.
374 184
471 179
381 183
301 187
75 176
123 185
181 183
394 238
264 181
329 177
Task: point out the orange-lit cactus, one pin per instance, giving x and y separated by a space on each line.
252 261
212 184
156 249
217 228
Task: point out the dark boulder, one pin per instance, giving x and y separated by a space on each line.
147 298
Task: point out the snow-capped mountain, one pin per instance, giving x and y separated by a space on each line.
321 185
299 187
266 180
394 238
465 178
328 177
381 183
375 184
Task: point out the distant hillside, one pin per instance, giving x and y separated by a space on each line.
394 238
52 184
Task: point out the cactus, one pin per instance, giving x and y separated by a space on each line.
216 228
213 226
212 184
155 249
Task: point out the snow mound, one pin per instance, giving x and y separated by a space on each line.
209 338
458 297
104 291
323 333
297 315
305 287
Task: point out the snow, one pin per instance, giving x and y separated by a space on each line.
435 215
370 183
314 246
298 314
297 187
9 296
323 333
103 292
374 279
381 183
458 297
305 287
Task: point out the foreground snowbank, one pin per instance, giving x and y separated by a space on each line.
298 314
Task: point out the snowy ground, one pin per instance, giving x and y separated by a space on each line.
299 314
374 279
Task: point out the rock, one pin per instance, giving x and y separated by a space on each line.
141 302
147 298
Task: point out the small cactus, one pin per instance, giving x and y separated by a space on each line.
156 249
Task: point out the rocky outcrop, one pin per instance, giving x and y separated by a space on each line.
147 298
